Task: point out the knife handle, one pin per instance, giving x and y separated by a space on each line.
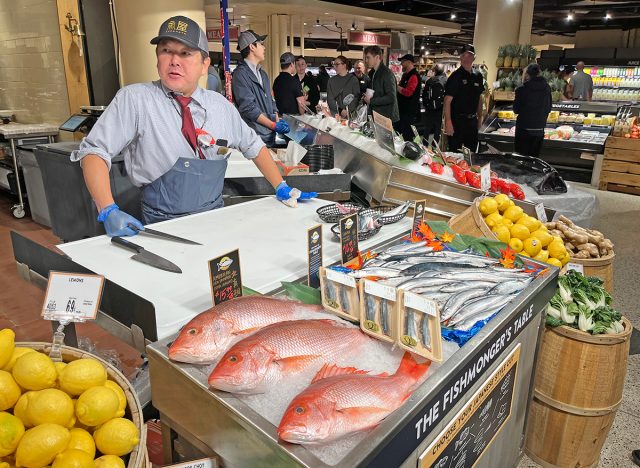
133 227
127 244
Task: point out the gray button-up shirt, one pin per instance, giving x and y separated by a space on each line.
143 122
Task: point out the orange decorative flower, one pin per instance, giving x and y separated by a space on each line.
427 233
508 257
447 237
436 245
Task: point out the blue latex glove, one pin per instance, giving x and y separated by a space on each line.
282 127
286 194
116 222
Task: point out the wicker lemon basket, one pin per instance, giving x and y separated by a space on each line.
138 457
471 222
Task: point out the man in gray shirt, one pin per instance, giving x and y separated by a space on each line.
174 136
582 84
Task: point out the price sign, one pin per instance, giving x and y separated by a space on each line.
202 463
485 177
341 278
314 255
541 213
380 290
349 237
575 267
418 216
72 297
225 276
420 303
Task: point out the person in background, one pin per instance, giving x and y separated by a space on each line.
462 105
383 83
170 132
360 72
322 79
213 80
308 82
532 104
565 75
581 84
433 100
287 89
252 91
408 97
340 86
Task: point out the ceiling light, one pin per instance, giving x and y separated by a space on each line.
326 12
304 24
607 16
243 16
421 47
353 26
570 17
437 42
382 21
317 22
453 16
426 52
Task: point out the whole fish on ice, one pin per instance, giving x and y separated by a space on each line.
340 401
261 360
209 333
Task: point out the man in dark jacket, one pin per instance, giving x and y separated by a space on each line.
532 104
432 100
322 79
383 83
252 91
360 72
408 97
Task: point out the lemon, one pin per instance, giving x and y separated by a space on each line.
34 371
487 206
7 345
503 202
531 223
81 375
555 262
122 398
502 233
97 405
20 409
73 458
514 213
40 445
544 236
82 440
9 391
59 367
506 205
50 406
542 256
524 254
109 461
532 246
557 249
11 431
519 231
17 352
564 260
493 219
117 437
506 222
516 244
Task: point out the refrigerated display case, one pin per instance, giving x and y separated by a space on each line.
615 83
575 132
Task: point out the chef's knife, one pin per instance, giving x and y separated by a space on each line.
146 257
164 235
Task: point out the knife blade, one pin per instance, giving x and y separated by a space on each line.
144 256
164 235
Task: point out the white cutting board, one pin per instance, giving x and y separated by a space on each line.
272 242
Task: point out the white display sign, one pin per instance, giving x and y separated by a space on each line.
485 177
202 463
420 303
576 267
72 297
341 278
541 212
380 290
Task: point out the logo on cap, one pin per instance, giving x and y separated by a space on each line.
180 27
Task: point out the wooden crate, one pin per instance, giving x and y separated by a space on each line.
621 166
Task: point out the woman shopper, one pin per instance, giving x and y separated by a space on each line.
340 86
532 104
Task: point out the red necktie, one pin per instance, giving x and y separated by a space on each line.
188 127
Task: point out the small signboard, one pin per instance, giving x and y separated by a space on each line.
541 213
314 255
225 276
418 216
365 38
72 297
215 34
485 177
349 237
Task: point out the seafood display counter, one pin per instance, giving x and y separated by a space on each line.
470 410
383 176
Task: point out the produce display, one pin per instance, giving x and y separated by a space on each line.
626 127
515 55
60 414
580 242
563 132
525 234
582 302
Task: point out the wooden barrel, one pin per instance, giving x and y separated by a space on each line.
600 268
137 458
577 391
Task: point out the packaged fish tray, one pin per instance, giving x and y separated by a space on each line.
363 235
379 310
336 211
418 322
340 294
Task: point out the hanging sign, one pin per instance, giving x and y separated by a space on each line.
364 38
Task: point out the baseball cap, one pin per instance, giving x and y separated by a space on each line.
185 30
249 37
287 58
408 57
468 48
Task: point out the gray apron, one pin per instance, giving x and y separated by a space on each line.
192 185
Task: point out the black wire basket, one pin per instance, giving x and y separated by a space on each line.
382 209
331 213
362 236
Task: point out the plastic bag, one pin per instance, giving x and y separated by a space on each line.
462 336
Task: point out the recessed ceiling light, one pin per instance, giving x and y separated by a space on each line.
570 17
304 24
243 16
421 47
382 21
326 12
453 16
607 16
437 42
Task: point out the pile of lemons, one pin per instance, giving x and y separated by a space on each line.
524 234
59 414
